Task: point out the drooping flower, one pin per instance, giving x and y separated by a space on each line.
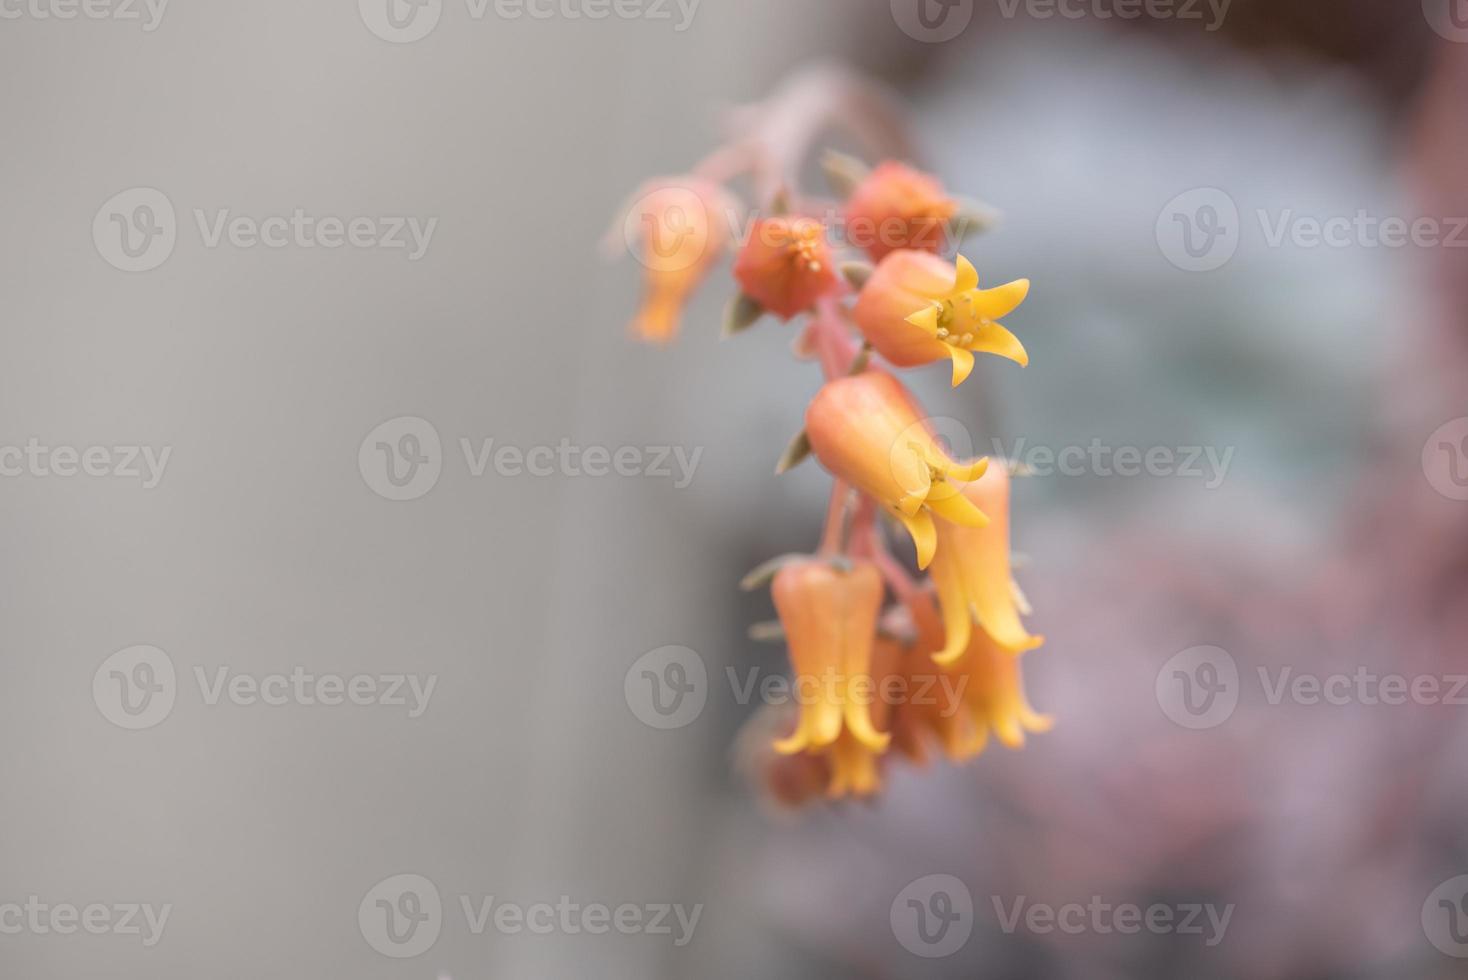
917 308
786 265
855 766
957 705
867 430
830 621
897 207
679 228
993 700
973 576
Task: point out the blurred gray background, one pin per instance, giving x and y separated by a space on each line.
263 548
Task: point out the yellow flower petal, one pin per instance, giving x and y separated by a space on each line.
924 535
949 503
927 318
993 338
957 620
968 276
963 364
1002 300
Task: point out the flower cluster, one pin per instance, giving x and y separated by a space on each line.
909 661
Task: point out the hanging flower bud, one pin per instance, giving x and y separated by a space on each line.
917 308
679 229
830 621
973 574
897 207
786 265
867 430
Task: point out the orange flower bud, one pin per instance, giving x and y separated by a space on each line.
898 207
786 265
679 229
830 621
917 308
867 430
973 575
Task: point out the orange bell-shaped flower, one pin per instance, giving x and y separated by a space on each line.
973 575
830 621
867 430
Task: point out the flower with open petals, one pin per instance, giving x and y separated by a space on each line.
786 265
917 308
973 576
895 207
679 229
867 430
830 621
